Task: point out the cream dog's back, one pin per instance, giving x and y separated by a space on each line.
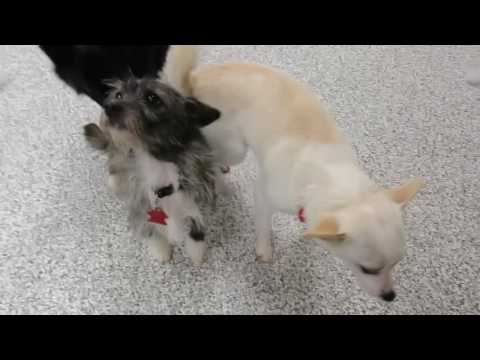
280 105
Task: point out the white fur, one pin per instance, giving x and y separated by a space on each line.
152 175
160 248
178 206
196 250
180 59
303 162
155 173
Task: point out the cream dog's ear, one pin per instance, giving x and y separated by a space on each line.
402 195
326 229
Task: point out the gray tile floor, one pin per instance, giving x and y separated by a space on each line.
64 248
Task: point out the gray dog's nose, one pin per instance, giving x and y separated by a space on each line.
389 296
113 110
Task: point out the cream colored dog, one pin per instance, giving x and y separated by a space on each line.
305 165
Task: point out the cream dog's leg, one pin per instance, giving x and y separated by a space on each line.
263 223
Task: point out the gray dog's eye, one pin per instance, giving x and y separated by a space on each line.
153 99
119 96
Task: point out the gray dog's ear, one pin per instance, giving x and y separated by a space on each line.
202 114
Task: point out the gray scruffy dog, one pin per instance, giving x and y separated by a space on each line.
159 162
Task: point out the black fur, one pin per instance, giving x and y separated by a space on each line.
85 67
197 233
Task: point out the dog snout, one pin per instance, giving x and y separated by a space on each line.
116 114
389 296
114 110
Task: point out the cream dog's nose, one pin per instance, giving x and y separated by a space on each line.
389 296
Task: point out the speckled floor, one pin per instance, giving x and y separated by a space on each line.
65 249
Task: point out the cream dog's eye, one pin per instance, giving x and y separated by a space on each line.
368 271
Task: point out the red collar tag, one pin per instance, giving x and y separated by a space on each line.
301 215
157 216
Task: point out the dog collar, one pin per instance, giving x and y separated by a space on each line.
301 215
157 216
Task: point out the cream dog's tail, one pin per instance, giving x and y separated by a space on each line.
181 60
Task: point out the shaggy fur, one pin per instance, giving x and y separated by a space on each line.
158 158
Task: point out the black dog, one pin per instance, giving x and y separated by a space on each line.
85 67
